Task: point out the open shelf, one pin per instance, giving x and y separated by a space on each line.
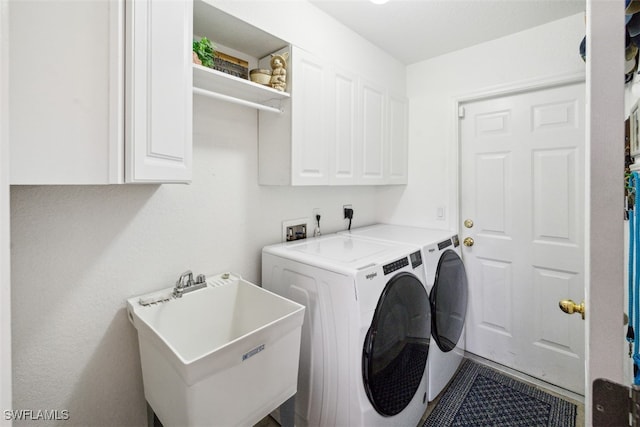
229 86
241 39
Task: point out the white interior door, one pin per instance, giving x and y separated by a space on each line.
522 185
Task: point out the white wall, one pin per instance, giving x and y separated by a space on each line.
79 252
432 86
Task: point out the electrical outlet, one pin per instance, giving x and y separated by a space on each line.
344 210
316 218
294 229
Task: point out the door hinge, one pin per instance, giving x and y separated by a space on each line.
615 404
461 112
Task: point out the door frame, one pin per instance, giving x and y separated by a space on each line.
5 284
604 264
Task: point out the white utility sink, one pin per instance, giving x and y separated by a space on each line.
226 354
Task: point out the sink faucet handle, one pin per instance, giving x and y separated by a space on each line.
188 275
181 285
201 278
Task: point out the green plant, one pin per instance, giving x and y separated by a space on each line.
205 51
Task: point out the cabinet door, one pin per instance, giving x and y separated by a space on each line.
65 96
397 156
159 91
342 123
309 150
372 134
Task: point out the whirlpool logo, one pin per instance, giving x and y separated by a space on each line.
370 276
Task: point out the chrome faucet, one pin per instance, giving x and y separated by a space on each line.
186 283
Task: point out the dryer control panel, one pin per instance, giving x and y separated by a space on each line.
444 244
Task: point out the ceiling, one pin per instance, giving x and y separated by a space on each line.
414 30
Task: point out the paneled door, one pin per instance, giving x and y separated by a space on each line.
342 138
158 123
522 213
310 153
372 133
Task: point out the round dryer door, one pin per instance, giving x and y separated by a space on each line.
397 344
449 300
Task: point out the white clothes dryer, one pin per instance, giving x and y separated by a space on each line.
366 332
448 293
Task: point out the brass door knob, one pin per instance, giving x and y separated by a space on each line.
468 223
570 307
468 241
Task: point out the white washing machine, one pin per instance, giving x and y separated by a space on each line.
448 293
367 328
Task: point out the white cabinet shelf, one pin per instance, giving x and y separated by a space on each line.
233 36
235 89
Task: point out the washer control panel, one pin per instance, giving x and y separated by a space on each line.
396 265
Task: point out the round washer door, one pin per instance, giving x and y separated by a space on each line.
397 344
449 300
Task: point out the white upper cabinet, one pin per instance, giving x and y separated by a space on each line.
158 91
345 120
339 128
294 146
68 121
107 96
60 94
